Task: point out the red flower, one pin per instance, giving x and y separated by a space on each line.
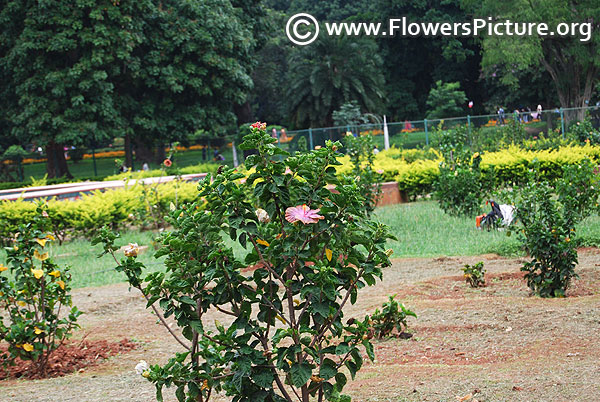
167 163
259 125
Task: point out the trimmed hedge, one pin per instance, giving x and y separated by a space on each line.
504 167
84 216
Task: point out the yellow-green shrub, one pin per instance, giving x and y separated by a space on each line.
86 215
505 166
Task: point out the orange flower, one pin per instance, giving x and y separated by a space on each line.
262 242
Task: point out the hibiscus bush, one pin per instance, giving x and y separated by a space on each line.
548 214
39 315
393 316
266 324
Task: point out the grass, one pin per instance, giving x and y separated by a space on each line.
422 229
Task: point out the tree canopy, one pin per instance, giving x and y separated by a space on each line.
91 70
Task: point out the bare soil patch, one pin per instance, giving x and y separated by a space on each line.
68 358
496 343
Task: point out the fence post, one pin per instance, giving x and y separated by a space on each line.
562 123
310 139
235 157
469 129
386 134
426 133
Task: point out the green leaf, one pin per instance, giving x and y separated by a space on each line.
328 369
300 374
369 348
197 326
342 349
264 378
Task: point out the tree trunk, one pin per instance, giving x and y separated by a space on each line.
56 164
574 82
143 151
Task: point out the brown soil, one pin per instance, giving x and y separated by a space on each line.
496 343
69 358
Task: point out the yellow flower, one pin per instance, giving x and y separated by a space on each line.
328 254
38 273
55 273
21 303
316 378
204 385
41 242
18 345
38 331
61 284
262 242
50 237
3 268
27 347
41 257
146 374
567 240
15 248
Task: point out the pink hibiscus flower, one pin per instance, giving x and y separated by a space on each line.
303 214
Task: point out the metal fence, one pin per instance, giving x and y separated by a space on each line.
420 133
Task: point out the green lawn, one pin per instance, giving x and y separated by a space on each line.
422 229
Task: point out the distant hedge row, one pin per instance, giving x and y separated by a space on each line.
416 171
84 216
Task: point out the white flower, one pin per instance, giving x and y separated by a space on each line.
262 215
131 250
141 367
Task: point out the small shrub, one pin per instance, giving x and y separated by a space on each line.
475 274
584 132
548 213
393 316
34 299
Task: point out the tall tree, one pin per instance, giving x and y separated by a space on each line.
573 64
191 68
59 58
330 72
